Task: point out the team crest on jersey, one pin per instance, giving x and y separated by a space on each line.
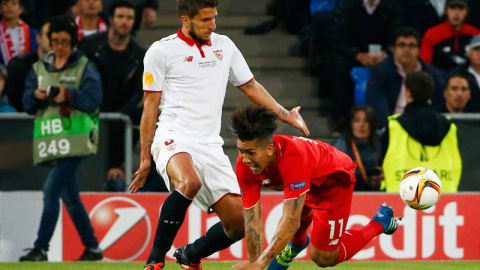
218 54
147 78
171 146
266 181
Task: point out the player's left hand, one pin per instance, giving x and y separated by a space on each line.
140 175
296 120
247 266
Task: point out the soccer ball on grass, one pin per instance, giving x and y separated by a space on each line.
420 188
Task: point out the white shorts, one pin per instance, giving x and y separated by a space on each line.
212 165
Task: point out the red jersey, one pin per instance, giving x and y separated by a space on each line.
302 165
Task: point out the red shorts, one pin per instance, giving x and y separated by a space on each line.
329 223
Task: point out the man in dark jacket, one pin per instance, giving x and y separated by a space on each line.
386 86
444 45
119 60
359 24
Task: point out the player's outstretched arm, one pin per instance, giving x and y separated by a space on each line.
259 95
254 231
292 211
151 100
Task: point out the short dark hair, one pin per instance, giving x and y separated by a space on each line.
253 122
64 23
421 85
459 75
20 2
372 121
191 7
118 4
407 32
42 24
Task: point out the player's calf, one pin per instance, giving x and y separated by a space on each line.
324 258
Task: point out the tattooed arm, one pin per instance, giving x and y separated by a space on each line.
253 231
257 93
292 211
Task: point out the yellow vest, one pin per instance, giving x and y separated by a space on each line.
405 153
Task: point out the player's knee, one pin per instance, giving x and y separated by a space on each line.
234 228
324 259
189 186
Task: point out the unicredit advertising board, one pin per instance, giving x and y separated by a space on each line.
125 227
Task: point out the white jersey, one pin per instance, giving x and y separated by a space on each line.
193 80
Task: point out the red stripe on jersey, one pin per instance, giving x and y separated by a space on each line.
192 42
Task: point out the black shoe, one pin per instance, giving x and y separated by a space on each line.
185 263
34 255
91 254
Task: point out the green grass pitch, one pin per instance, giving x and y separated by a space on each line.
420 265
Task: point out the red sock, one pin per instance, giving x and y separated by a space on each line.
353 241
300 237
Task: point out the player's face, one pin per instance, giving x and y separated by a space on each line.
11 9
202 25
406 50
457 93
256 155
122 21
456 15
360 126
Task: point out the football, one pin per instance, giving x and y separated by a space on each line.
420 188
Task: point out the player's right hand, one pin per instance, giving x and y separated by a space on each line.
40 93
295 119
140 176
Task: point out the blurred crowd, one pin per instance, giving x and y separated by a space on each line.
361 50
104 34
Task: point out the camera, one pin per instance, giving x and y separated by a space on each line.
52 92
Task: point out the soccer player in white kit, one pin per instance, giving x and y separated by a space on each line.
184 84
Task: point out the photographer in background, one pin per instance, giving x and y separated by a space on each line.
64 92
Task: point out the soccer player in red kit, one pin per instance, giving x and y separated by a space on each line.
317 181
